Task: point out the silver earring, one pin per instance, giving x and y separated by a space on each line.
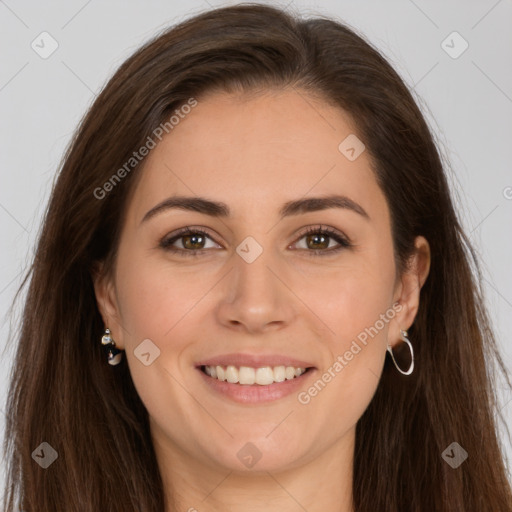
390 350
114 354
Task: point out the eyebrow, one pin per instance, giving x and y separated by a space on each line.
219 209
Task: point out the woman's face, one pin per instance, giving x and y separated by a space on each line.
257 290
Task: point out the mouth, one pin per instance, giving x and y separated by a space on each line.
255 379
250 376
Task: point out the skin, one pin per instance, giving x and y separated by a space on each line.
254 153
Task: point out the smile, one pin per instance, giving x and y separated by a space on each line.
255 385
246 375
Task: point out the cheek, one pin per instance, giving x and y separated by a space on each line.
157 303
154 297
355 302
349 299
358 314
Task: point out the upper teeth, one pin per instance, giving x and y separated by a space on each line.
247 375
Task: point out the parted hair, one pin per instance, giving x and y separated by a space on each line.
63 392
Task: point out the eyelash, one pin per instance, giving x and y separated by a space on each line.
166 243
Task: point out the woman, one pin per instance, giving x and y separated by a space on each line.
252 292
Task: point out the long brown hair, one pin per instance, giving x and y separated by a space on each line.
64 393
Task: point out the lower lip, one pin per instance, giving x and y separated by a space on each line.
255 394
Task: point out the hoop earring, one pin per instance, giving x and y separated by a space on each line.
390 350
114 355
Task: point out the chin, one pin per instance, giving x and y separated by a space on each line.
257 453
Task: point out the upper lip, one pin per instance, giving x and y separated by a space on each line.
255 361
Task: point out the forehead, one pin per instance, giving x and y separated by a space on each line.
257 150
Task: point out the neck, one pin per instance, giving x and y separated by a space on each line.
322 483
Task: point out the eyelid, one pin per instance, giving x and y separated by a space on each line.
341 239
324 229
168 239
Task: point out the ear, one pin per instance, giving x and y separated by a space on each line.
408 289
106 299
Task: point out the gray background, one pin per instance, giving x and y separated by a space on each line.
467 101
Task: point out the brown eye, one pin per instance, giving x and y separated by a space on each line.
318 242
192 242
319 239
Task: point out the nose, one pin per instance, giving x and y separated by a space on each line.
257 296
